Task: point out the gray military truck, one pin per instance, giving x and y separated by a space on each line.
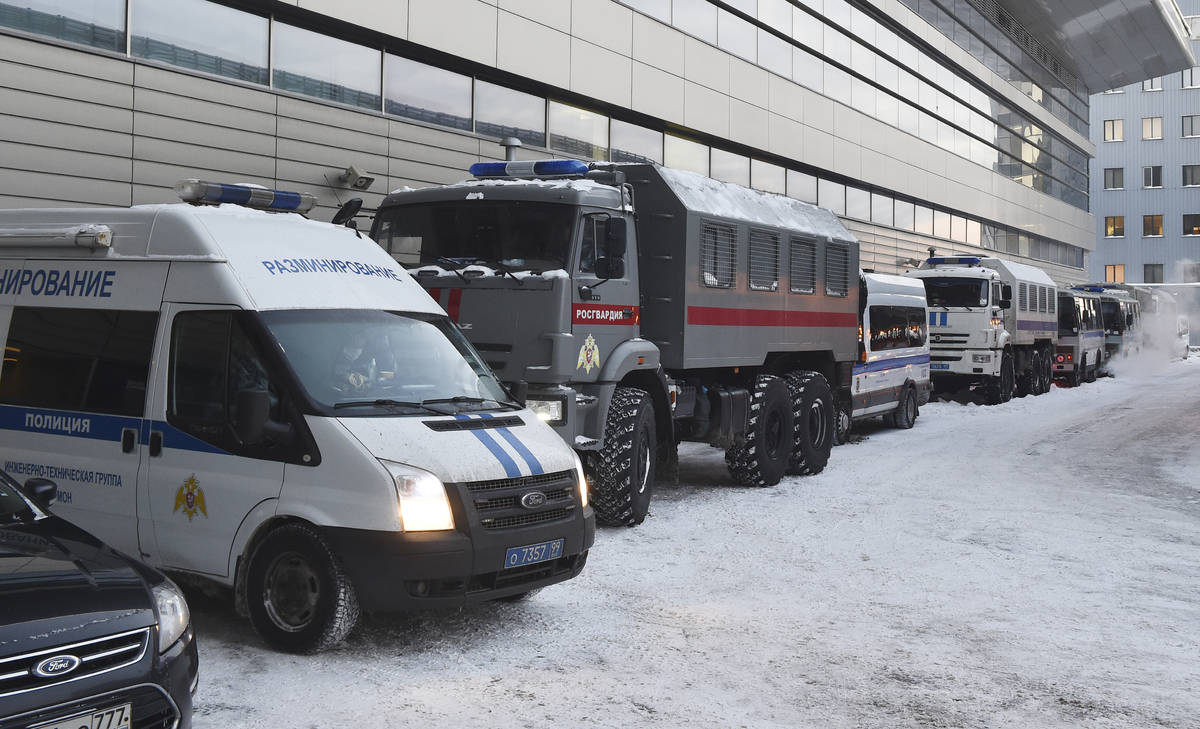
633 307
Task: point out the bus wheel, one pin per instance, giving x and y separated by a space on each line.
299 598
762 458
621 474
816 419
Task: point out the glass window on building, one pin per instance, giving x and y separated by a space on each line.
808 30
730 167
923 220
631 143
324 67
1114 226
1152 127
802 186
1152 84
1152 176
774 53
426 93
858 203
1152 273
202 36
905 215
1191 77
808 70
1114 273
777 14
503 112
659 9
696 17
1152 226
1114 130
1114 178
576 131
832 195
1191 125
767 177
737 36
1191 175
974 232
941 224
882 210
1191 224
684 154
98 23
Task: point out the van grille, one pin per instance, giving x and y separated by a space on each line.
496 505
18 674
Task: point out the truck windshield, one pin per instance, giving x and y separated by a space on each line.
364 362
515 235
949 292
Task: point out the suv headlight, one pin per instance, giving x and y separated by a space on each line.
173 614
581 480
423 504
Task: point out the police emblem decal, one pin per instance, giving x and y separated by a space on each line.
589 355
190 497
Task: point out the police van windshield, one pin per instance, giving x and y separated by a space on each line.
950 292
1068 316
1113 321
508 234
365 362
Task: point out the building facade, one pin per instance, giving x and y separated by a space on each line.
952 125
1146 176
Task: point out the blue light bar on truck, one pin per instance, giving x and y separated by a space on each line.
261 198
953 260
530 169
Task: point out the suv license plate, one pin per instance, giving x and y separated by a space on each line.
118 717
531 554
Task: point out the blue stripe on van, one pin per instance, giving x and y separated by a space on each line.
510 466
891 364
535 466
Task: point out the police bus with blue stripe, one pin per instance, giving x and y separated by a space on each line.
273 404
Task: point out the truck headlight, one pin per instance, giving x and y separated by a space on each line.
980 358
173 614
581 480
550 411
424 506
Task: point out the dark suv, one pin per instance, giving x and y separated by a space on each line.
89 638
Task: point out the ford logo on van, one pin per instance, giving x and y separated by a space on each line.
56 666
533 500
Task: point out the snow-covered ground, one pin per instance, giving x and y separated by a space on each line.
1035 564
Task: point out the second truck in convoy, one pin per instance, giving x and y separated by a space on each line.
634 306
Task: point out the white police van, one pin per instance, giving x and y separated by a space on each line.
272 403
892 376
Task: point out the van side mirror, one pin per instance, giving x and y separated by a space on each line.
254 424
1006 292
42 490
1004 303
610 267
615 239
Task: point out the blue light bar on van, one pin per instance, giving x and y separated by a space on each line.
261 198
1093 289
953 260
530 169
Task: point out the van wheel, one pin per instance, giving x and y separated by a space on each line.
621 474
1077 373
842 423
299 598
905 414
816 419
762 459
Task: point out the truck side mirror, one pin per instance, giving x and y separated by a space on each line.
1004 303
42 490
615 240
610 267
1006 292
253 411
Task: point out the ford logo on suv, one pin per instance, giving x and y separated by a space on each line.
533 500
56 666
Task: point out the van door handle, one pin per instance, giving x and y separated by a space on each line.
128 440
155 443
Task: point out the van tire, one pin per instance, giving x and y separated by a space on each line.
320 607
763 457
905 414
816 421
621 474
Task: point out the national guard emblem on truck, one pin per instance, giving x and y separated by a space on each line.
589 355
191 497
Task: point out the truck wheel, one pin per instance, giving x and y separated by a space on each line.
762 459
1047 373
905 414
621 474
299 598
1000 390
815 416
1025 380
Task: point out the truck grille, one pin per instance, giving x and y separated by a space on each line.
940 338
152 709
19 673
497 504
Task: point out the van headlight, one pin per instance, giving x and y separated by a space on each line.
173 614
580 479
423 503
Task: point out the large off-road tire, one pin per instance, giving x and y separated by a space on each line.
1035 373
905 414
621 474
815 417
1000 389
1025 380
299 598
762 458
1047 372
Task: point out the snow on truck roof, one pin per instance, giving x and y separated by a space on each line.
727 200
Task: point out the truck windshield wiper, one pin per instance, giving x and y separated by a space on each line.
501 268
387 402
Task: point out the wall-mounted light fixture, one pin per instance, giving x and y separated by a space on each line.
356 178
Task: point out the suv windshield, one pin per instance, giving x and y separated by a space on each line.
13 506
968 292
363 361
512 234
